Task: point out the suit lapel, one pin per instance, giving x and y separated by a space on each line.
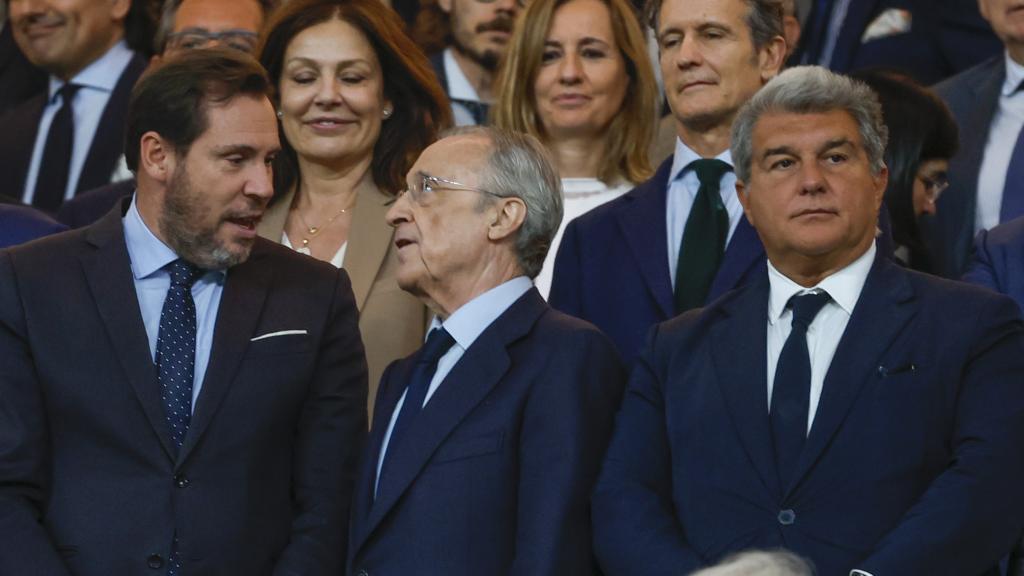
108 272
469 382
744 250
738 347
369 239
851 30
245 290
642 222
884 308
108 143
16 152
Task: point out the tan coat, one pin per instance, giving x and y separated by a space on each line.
392 322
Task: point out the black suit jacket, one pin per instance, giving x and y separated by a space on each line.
18 128
19 78
92 205
89 481
494 475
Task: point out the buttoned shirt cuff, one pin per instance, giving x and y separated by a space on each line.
860 573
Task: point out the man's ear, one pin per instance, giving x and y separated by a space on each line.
771 58
156 157
508 217
741 193
119 9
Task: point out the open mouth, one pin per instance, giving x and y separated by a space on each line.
248 222
402 243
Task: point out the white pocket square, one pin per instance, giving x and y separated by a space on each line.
280 333
889 23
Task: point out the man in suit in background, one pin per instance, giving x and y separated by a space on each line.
70 138
998 261
178 396
486 442
863 416
986 177
678 240
20 224
929 40
184 25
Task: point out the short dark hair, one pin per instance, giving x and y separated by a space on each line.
764 19
172 99
421 108
169 12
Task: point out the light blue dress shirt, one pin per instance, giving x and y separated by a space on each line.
682 190
465 325
98 81
149 255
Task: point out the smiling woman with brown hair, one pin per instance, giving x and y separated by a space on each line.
357 103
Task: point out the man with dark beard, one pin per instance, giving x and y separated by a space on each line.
479 33
178 396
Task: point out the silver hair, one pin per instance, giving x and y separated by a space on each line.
764 19
760 563
520 167
166 25
811 90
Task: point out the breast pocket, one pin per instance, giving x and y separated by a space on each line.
464 448
280 345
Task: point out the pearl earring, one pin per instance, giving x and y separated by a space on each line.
386 113
280 114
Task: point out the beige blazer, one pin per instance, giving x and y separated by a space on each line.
392 322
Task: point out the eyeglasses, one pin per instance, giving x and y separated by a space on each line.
934 185
425 186
195 38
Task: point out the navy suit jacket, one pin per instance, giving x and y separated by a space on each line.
20 224
90 482
18 127
973 97
944 37
913 464
998 261
92 205
612 267
494 475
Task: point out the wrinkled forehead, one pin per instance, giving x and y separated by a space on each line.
462 158
804 130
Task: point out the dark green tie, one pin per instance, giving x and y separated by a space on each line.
703 243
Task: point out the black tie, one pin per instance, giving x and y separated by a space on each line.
438 343
703 244
1012 205
479 110
791 393
52 181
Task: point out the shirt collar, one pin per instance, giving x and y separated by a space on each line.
843 286
147 252
1014 76
468 322
684 156
459 86
102 74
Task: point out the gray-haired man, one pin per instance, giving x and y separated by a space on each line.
863 416
487 441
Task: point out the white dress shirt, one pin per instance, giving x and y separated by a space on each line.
465 325
825 331
1002 136
682 190
98 81
459 87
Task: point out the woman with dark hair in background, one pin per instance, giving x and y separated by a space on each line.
357 103
577 75
923 136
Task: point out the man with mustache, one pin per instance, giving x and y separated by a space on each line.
479 33
178 396
68 139
678 240
865 417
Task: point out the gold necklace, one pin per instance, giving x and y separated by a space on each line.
314 230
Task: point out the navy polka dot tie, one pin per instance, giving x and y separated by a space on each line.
175 362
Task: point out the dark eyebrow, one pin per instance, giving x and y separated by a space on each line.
340 64
835 143
202 30
243 149
777 151
588 40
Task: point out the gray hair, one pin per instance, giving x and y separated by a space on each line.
520 167
811 90
764 18
169 13
760 563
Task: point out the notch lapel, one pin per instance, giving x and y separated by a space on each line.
369 240
245 289
743 252
739 351
109 275
642 223
469 382
884 309
852 28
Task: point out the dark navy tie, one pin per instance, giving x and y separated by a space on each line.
175 362
478 110
1013 191
791 393
52 180
703 242
438 343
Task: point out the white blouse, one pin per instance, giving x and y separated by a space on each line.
336 261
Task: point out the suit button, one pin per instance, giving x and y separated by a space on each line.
181 481
155 561
787 517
